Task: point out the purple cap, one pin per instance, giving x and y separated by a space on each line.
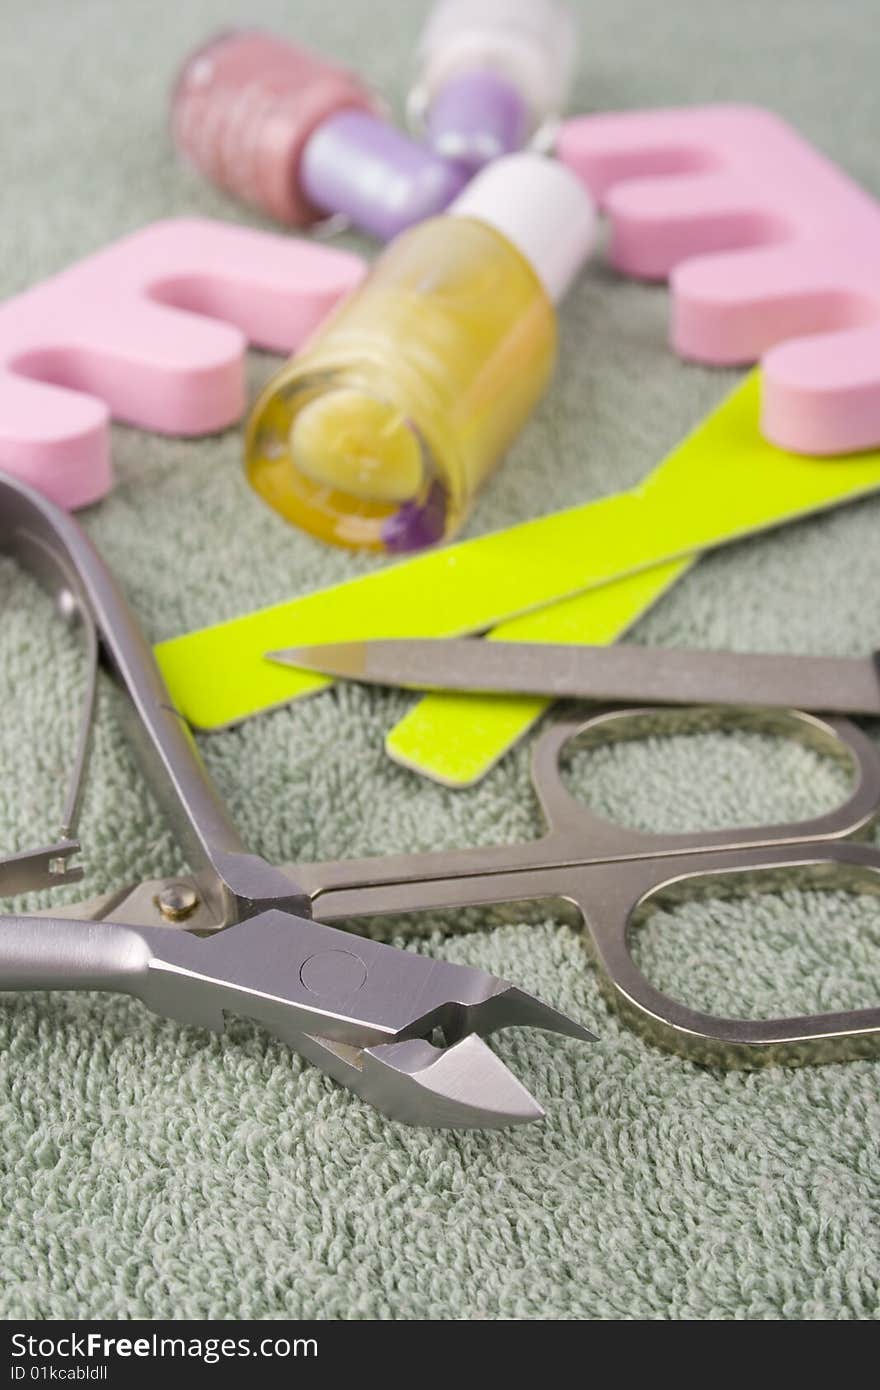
476 118
381 179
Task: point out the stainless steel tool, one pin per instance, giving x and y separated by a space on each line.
620 673
610 879
614 878
237 935
403 1031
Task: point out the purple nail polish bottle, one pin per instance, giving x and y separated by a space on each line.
475 118
493 76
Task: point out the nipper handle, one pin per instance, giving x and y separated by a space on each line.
54 953
52 546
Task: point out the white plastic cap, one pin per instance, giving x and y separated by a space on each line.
530 42
539 206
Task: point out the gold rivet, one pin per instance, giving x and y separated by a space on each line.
177 901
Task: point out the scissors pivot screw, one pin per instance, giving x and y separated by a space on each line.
177 901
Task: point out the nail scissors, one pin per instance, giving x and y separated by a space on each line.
238 936
613 878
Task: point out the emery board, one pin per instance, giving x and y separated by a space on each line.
723 482
456 738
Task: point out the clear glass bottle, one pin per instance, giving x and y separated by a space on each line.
381 431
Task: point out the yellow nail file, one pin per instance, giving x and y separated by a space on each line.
457 738
723 482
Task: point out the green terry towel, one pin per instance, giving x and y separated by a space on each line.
147 1170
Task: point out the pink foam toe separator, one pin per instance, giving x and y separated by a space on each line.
152 331
771 251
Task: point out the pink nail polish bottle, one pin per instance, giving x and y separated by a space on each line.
244 107
302 138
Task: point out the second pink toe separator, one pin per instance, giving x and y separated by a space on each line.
771 250
152 330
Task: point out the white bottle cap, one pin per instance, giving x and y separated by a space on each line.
539 206
532 43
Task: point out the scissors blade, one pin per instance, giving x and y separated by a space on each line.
620 673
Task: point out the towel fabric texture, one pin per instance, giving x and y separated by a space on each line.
149 1170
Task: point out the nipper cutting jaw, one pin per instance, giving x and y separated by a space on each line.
401 1030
